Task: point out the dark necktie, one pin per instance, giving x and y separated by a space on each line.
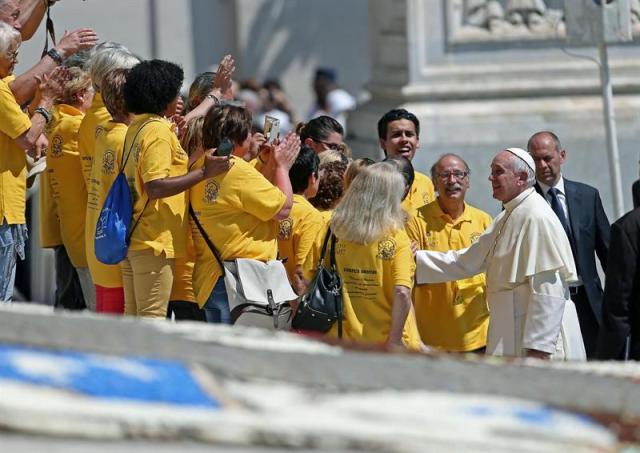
557 208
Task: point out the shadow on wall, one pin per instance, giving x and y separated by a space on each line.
277 37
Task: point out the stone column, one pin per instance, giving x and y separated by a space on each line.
478 88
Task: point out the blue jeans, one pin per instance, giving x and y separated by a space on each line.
12 242
216 309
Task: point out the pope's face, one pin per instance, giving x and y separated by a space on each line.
506 184
401 140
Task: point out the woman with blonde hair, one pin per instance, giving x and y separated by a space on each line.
354 169
374 260
64 176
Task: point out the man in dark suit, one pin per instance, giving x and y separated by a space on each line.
621 304
579 208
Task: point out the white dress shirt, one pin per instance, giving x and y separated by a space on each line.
562 196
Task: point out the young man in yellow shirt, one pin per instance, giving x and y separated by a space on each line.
297 233
399 135
452 316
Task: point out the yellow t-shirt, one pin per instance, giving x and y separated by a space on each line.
13 164
106 165
182 288
453 316
156 154
420 194
369 275
297 233
66 183
93 124
236 210
50 235
310 264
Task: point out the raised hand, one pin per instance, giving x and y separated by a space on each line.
52 84
76 40
215 165
287 150
224 74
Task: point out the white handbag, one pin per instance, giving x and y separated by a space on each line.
259 293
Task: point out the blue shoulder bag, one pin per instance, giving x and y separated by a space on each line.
111 240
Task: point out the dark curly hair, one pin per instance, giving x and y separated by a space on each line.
306 164
318 128
225 121
395 115
331 185
152 85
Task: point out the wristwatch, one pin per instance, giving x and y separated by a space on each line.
214 97
44 112
55 55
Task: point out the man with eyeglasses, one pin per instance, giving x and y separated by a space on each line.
529 266
452 316
399 135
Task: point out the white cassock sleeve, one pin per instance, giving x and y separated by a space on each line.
438 267
544 312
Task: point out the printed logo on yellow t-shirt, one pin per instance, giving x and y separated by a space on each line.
474 237
108 162
386 249
211 190
100 130
286 226
56 149
426 198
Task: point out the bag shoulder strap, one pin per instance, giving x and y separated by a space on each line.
323 250
49 32
124 163
334 269
124 145
205 236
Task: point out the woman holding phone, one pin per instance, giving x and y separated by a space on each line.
238 210
156 169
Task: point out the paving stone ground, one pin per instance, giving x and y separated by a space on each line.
233 358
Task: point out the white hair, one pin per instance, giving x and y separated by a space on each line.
8 36
371 207
108 59
520 166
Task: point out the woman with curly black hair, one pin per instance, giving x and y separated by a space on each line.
156 169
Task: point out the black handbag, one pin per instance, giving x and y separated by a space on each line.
321 306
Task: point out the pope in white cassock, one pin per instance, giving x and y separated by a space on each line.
529 266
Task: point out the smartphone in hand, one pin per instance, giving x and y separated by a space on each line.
271 128
225 148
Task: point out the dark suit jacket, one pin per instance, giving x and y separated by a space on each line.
590 229
635 191
621 304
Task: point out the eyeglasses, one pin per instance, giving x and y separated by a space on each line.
12 55
445 175
333 146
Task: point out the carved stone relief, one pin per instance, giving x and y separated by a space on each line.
476 21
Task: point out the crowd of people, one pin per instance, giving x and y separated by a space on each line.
421 269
